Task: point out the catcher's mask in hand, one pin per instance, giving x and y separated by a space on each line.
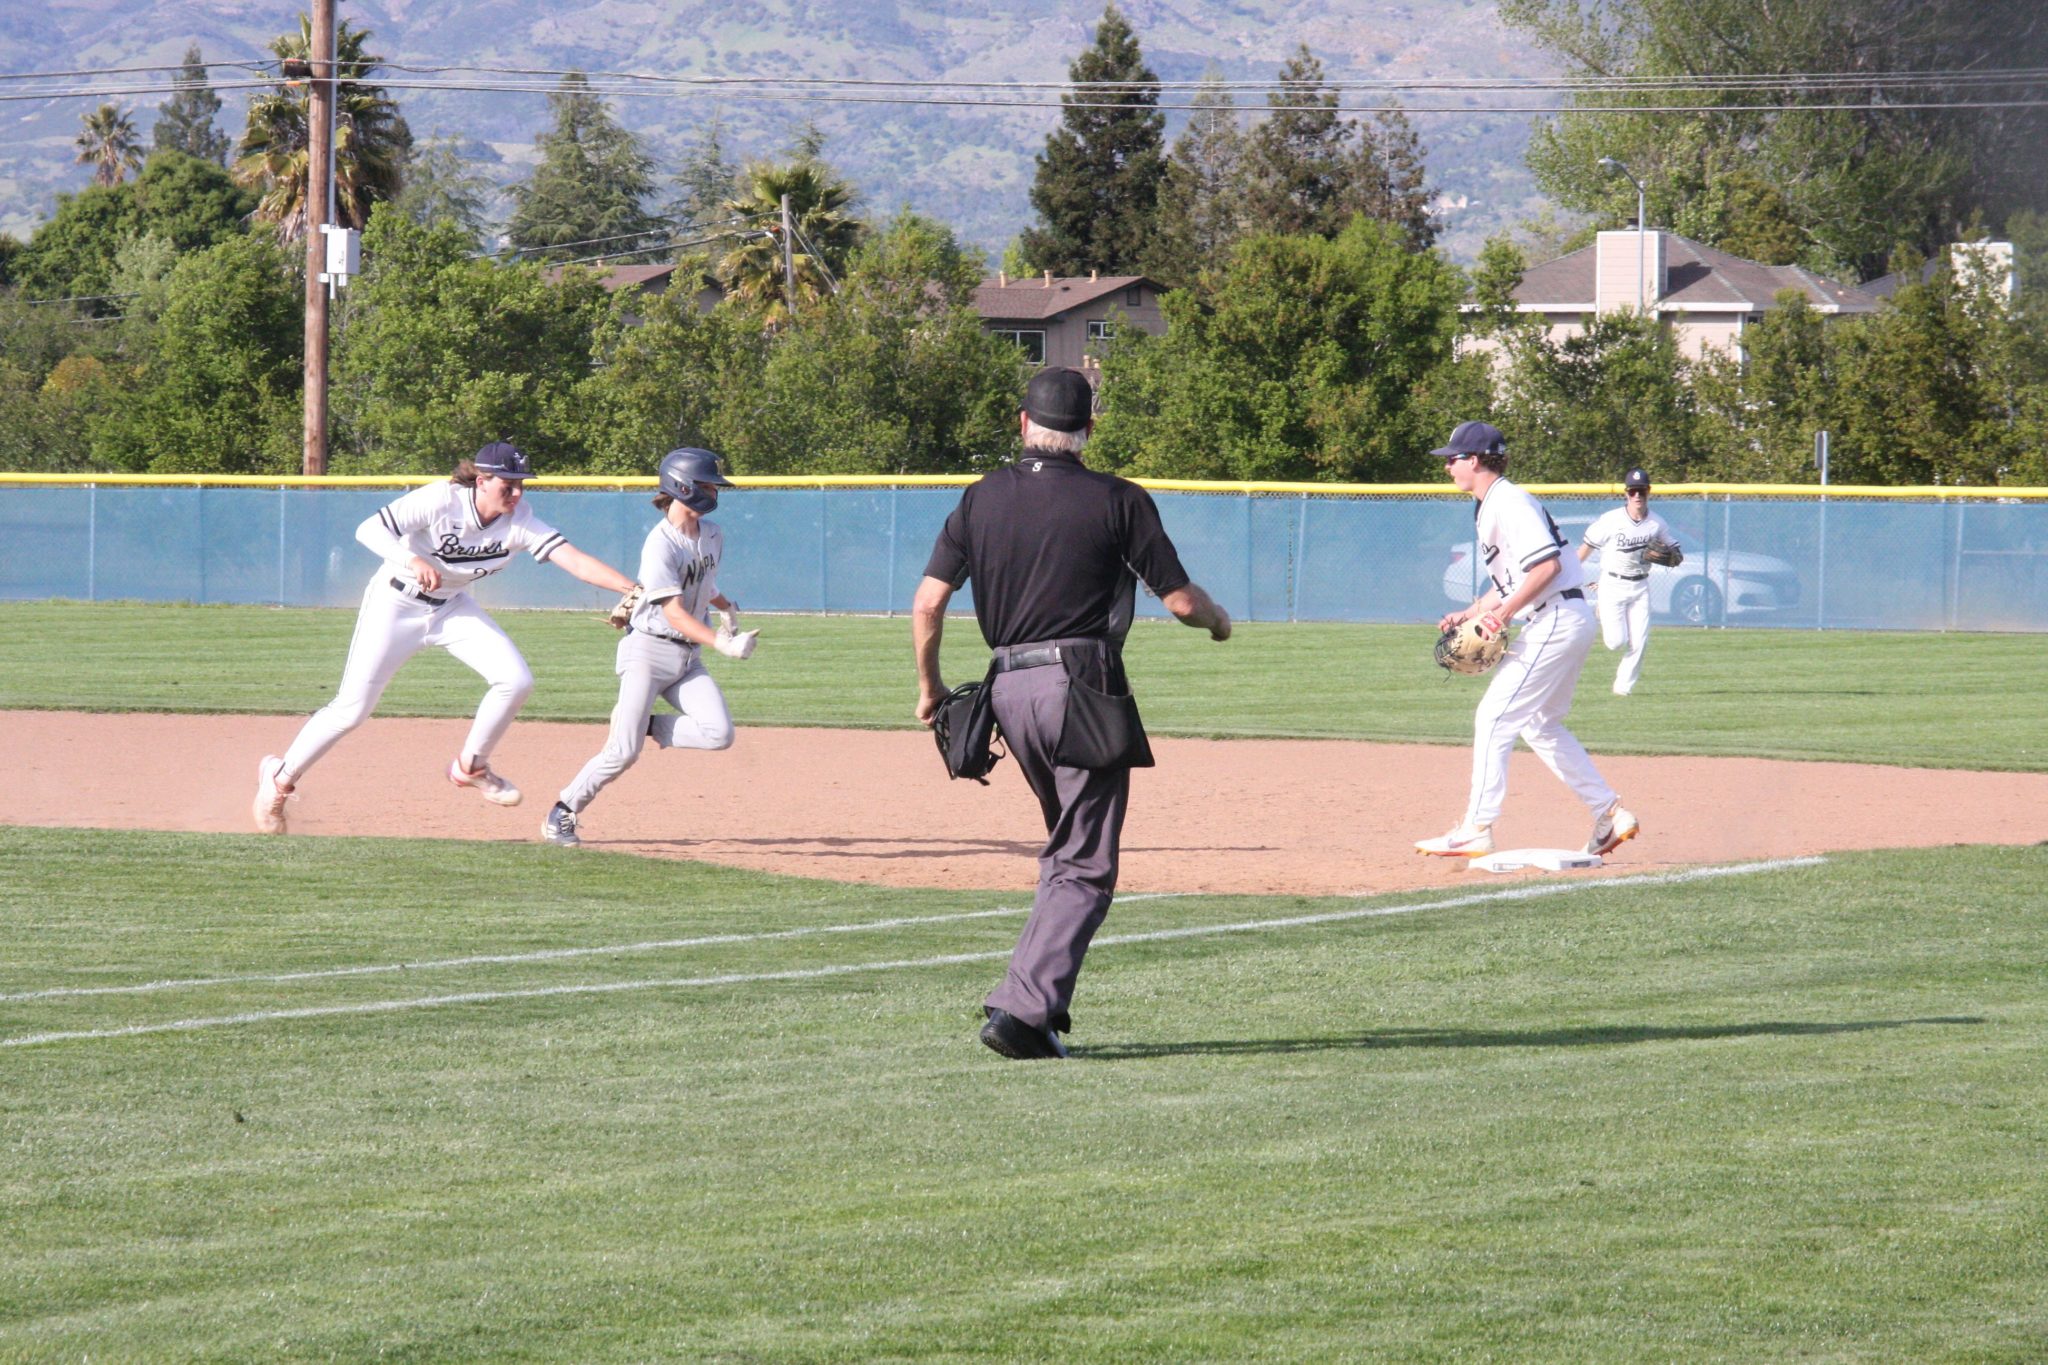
965 728
1468 649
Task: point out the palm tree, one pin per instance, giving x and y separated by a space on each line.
825 235
371 140
108 145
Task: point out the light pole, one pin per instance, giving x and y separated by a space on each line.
1642 230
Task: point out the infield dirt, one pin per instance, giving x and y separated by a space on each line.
1264 817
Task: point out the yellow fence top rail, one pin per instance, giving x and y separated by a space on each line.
1327 490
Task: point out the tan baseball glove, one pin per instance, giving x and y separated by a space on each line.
1665 552
621 615
1470 648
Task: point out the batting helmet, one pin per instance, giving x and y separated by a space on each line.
693 476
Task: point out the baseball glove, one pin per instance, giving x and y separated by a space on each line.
621 615
1665 552
1468 649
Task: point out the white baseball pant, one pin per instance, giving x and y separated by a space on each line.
391 629
650 667
1625 620
1529 697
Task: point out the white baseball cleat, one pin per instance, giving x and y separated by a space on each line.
1614 827
1466 841
268 807
488 784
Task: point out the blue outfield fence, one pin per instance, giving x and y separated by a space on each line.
1913 563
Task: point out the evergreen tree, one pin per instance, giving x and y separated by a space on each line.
588 195
1298 160
1097 189
1310 170
442 187
1201 200
107 143
184 122
707 179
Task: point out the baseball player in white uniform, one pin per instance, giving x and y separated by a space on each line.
1531 692
659 655
434 543
1621 534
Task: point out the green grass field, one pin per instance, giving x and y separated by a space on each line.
344 1099
1789 1115
1975 701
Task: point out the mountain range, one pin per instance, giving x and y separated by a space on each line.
970 166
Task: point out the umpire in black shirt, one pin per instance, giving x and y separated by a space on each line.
1055 551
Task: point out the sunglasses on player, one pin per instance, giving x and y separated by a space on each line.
1464 455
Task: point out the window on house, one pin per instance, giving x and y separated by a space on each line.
1131 296
1101 330
1030 341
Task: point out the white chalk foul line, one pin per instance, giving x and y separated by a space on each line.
852 968
544 954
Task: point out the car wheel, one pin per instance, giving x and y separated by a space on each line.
1696 602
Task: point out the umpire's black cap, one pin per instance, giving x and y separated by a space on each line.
1636 478
1474 438
1059 399
503 459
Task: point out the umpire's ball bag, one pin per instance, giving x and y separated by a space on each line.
1100 728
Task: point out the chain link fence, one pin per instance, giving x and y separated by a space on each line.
1803 562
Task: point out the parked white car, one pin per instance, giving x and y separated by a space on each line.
1706 590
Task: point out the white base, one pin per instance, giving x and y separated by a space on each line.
1542 859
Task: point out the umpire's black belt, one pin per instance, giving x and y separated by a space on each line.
1010 658
412 591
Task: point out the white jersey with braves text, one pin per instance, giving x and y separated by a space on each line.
439 523
676 564
1622 540
1516 534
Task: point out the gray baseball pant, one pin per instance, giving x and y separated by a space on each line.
1084 820
650 667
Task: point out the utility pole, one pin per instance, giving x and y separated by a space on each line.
319 169
788 260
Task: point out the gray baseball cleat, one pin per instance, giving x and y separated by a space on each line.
560 827
1612 828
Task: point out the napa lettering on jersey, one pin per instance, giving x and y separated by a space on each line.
676 564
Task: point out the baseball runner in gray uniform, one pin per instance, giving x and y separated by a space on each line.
658 657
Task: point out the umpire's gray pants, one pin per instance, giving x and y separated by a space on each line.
1084 820
650 667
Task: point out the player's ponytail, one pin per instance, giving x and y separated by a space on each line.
465 473
661 502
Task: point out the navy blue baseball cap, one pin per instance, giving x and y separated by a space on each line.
1474 438
503 459
1059 399
1636 478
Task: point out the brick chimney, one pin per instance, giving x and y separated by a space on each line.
1622 258
1048 279
1002 279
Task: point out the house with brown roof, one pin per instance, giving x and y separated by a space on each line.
648 280
1706 297
1065 319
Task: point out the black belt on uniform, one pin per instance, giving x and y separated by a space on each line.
657 635
1631 577
1009 658
1567 593
413 591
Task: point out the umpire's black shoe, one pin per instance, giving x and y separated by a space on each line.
1006 1033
